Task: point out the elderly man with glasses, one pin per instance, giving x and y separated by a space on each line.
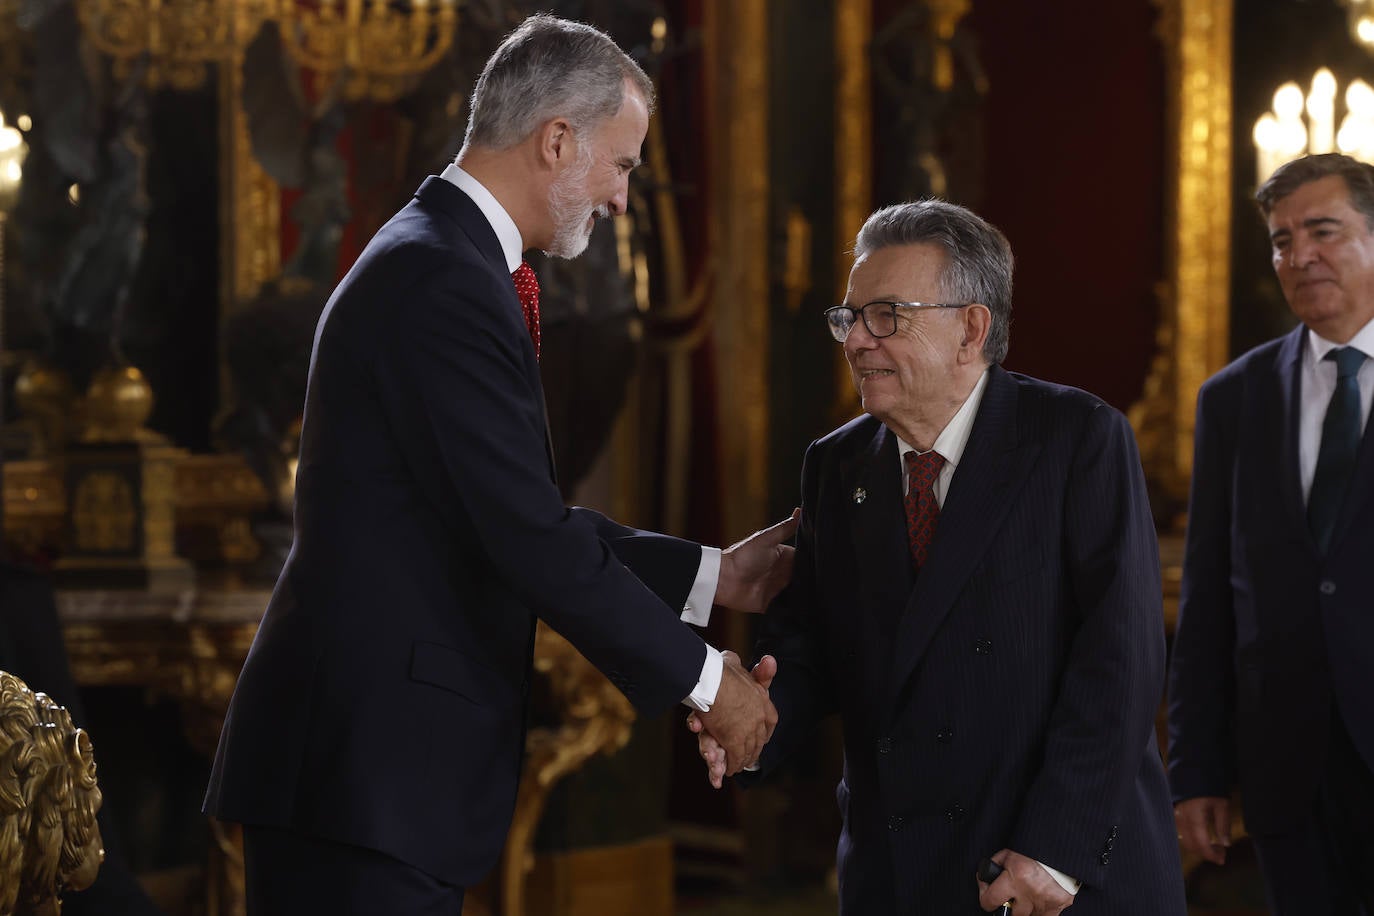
976 593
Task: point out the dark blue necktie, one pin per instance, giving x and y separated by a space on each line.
1340 442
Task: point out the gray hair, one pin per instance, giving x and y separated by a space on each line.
1358 177
978 261
548 68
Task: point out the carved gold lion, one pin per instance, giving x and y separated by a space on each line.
49 840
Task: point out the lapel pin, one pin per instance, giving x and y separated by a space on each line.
860 494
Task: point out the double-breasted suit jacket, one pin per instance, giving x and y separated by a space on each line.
1272 635
1005 695
382 704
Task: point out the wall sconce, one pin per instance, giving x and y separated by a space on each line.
1282 135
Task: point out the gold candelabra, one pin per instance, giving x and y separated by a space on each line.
379 47
179 37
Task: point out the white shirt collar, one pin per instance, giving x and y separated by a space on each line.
507 233
954 437
1318 346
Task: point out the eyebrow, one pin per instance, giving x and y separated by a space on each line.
1306 224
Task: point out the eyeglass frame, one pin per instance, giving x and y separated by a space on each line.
859 315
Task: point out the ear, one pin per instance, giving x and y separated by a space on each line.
555 142
977 324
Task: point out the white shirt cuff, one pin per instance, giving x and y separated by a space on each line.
1069 884
704 693
697 611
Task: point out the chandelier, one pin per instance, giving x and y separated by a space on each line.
377 46
1283 134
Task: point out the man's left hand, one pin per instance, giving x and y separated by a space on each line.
753 571
1024 881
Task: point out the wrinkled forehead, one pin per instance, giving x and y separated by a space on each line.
899 272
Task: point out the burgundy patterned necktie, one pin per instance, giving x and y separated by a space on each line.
527 288
922 511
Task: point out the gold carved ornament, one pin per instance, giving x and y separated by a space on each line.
49 839
596 719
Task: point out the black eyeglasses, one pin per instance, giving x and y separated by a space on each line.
880 317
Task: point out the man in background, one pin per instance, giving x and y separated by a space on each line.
977 595
373 745
1269 686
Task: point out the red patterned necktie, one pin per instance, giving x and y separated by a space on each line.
922 511
527 288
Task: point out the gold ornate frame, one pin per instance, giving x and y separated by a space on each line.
1193 331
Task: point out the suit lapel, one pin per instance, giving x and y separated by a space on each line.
993 468
1288 362
872 492
440 195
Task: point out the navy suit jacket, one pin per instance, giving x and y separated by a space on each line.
1005 697
383 701
1272 636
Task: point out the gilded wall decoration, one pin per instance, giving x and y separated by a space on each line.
1194 298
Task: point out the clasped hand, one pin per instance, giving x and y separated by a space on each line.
1025 883
731 736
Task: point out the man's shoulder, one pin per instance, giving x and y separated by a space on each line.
854 434
1054 398
1260 361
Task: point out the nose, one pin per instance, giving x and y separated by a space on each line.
1302 252
620 201
859 338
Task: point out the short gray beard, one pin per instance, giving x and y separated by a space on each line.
568 209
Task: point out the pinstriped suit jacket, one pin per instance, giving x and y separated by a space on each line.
1006 696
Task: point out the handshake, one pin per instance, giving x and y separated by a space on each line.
731 736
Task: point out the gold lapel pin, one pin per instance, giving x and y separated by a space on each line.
860 494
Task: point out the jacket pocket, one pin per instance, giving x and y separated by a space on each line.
455 671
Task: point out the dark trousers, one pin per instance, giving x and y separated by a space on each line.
289 874
1323 868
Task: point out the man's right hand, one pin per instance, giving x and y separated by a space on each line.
1204 827
742 718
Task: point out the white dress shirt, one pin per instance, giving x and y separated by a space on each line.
950 445
697 610
1318 383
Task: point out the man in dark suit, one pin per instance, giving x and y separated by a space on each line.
1269 686
373 744
977 594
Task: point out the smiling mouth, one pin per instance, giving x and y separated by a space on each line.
866 374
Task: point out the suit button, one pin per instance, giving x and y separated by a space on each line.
1327 587
983 647
954 812
884 745
894 822
945 735
1105 858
